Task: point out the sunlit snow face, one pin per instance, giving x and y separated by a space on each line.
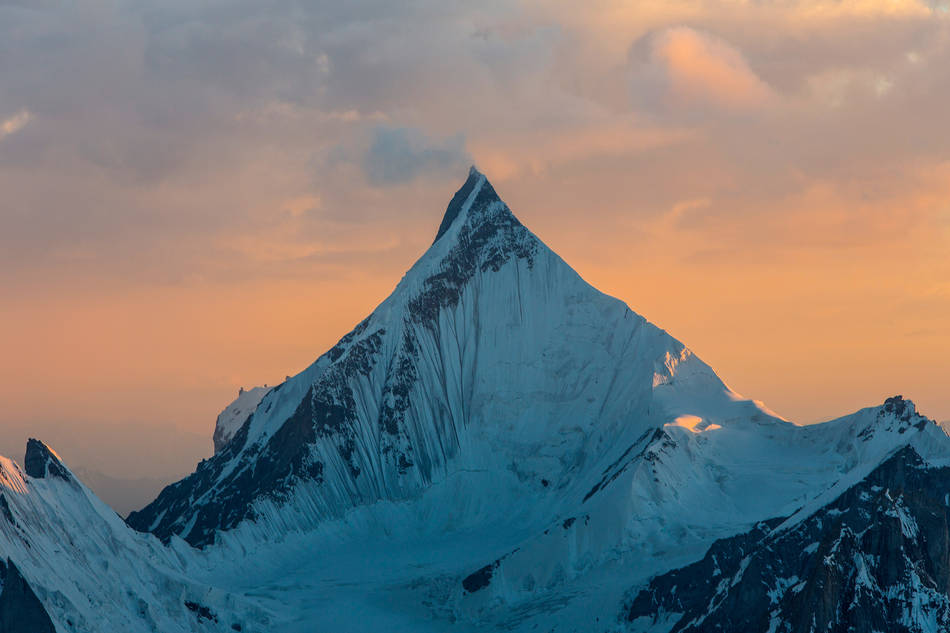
693 423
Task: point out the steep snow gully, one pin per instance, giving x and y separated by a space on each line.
500 446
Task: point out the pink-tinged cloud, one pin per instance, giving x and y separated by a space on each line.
686 68
15 123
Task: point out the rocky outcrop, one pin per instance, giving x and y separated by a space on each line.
40 462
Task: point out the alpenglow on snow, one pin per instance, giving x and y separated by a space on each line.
500 446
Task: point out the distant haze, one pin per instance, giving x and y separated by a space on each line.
198 199
124 495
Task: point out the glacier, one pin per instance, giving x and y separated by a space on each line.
498 445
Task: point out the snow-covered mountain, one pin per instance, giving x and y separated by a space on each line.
498 445
877 558
236 414
493 368
87 569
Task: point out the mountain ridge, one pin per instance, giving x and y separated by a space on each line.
884 559
498 445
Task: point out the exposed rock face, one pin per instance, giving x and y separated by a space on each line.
875 559
20 609
40 462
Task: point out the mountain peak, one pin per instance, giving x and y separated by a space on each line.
40 461
899 407
476 187
230 420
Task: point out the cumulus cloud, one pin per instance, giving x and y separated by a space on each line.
681 67
400 155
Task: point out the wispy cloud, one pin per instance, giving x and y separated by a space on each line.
15 123
400 155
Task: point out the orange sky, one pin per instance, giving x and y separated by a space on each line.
214 207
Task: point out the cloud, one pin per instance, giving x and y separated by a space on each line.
684 68
15 123
836 87
400 155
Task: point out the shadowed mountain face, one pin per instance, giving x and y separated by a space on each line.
875 559
20 610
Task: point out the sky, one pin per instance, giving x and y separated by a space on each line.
197 196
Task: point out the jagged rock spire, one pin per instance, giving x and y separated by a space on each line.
41 461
